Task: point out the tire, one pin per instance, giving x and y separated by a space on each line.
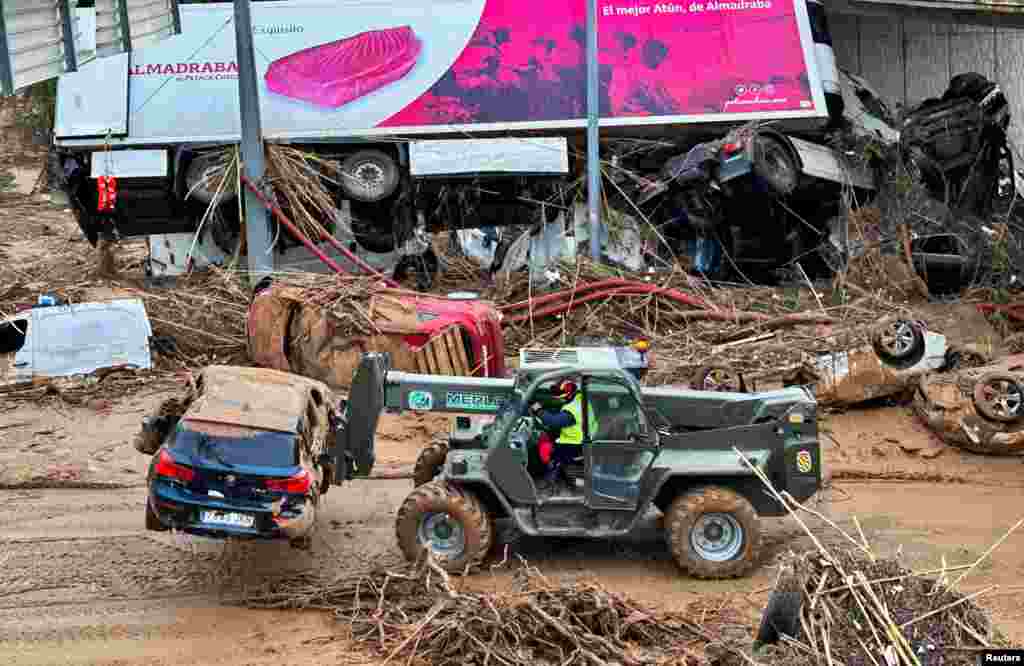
774 164
369 176
687 514
782 614
153 523
897 340
998 397
430 502
429 463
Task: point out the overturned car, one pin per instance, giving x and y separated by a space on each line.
900 352
980 409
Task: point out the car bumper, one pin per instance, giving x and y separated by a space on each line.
180 509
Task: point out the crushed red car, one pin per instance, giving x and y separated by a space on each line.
290 329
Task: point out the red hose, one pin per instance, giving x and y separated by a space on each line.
639 287
629 289
1012 310
309 244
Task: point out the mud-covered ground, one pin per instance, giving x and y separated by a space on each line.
82 582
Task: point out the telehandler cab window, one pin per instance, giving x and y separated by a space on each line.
619 452
617 413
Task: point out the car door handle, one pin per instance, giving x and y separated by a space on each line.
21 365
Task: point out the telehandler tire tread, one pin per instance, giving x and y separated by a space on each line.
683 514
463 505
429 463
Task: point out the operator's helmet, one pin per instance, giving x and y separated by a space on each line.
567 390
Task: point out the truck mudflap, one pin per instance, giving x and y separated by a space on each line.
355 438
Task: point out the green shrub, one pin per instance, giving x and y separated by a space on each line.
42 100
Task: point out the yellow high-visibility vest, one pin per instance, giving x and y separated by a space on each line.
574 433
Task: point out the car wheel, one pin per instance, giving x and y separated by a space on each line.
998 396
775 164
782 614
369 175
897 340
449 522
152 521
429 463
713 533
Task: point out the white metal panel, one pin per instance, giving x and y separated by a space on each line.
34 48
130 163
81 112
149 21
466 156
823 162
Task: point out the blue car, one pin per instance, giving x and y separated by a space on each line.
247 453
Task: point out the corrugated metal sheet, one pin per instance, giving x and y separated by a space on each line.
881 51
997 6
927 64
909 58
148 21
32 35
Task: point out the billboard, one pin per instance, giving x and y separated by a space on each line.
344 68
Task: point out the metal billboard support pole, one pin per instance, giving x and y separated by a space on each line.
257 228
593 152
67 20
6 66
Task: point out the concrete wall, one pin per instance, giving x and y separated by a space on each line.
908 57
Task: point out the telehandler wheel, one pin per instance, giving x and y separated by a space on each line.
450 521
429 463
713 532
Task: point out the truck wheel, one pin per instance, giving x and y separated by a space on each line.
713 532
369 175
152 522
897 340
774 164
782 614
450 521
998 397
429 463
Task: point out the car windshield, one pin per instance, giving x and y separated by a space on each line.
231 446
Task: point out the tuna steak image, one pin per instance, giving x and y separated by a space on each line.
332 75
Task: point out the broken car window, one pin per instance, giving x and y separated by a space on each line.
232 445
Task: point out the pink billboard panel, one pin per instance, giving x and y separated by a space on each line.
526 63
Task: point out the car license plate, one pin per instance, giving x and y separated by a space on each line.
227 518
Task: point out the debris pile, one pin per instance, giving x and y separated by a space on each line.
855 609
691 324
345 297
418 614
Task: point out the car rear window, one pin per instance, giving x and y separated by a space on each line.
234 445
